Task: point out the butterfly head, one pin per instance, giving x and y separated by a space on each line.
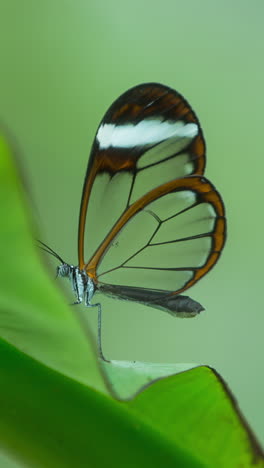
65 270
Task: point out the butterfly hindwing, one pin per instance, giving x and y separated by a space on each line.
167 240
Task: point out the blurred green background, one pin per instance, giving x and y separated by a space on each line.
63 62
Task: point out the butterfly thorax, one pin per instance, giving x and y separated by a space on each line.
82 284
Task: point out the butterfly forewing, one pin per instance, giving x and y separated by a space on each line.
148 137
155 225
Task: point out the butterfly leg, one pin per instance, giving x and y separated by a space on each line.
99 328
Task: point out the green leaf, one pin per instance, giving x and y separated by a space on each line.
34 315
49 420
194 409
56 408
126 378
210 423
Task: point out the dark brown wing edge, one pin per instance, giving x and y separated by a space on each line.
176 305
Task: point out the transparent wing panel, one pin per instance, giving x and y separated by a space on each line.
191 253
193 222
165 280
162 245
172 204
132 238
108 201
161 173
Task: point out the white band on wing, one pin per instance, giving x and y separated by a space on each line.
146 132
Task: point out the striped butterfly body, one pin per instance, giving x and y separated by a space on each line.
155 224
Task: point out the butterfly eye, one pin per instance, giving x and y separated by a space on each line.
63 270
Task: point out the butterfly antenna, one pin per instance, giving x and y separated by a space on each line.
49 250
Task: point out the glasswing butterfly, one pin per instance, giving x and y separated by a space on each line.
155 224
